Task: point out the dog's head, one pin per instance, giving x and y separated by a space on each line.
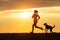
45 23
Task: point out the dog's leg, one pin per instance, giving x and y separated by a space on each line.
51 30
46 30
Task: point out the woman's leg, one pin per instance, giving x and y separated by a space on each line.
32 27
38 27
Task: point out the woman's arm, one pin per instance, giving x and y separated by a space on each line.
32 15
38 16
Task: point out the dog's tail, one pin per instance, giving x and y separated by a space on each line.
54 26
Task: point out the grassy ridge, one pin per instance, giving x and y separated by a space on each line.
29 36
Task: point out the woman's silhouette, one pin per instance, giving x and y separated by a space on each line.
36 17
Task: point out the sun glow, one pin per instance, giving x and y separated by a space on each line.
25 14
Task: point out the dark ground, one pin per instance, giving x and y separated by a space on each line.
29 36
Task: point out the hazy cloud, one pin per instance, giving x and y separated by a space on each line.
21 4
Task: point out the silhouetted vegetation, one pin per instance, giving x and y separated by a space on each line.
29 36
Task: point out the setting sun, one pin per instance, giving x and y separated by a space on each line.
25 14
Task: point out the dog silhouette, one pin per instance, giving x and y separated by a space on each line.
48 27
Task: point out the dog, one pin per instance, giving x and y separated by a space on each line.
48 27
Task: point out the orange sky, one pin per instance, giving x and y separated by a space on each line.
24 4
19 21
